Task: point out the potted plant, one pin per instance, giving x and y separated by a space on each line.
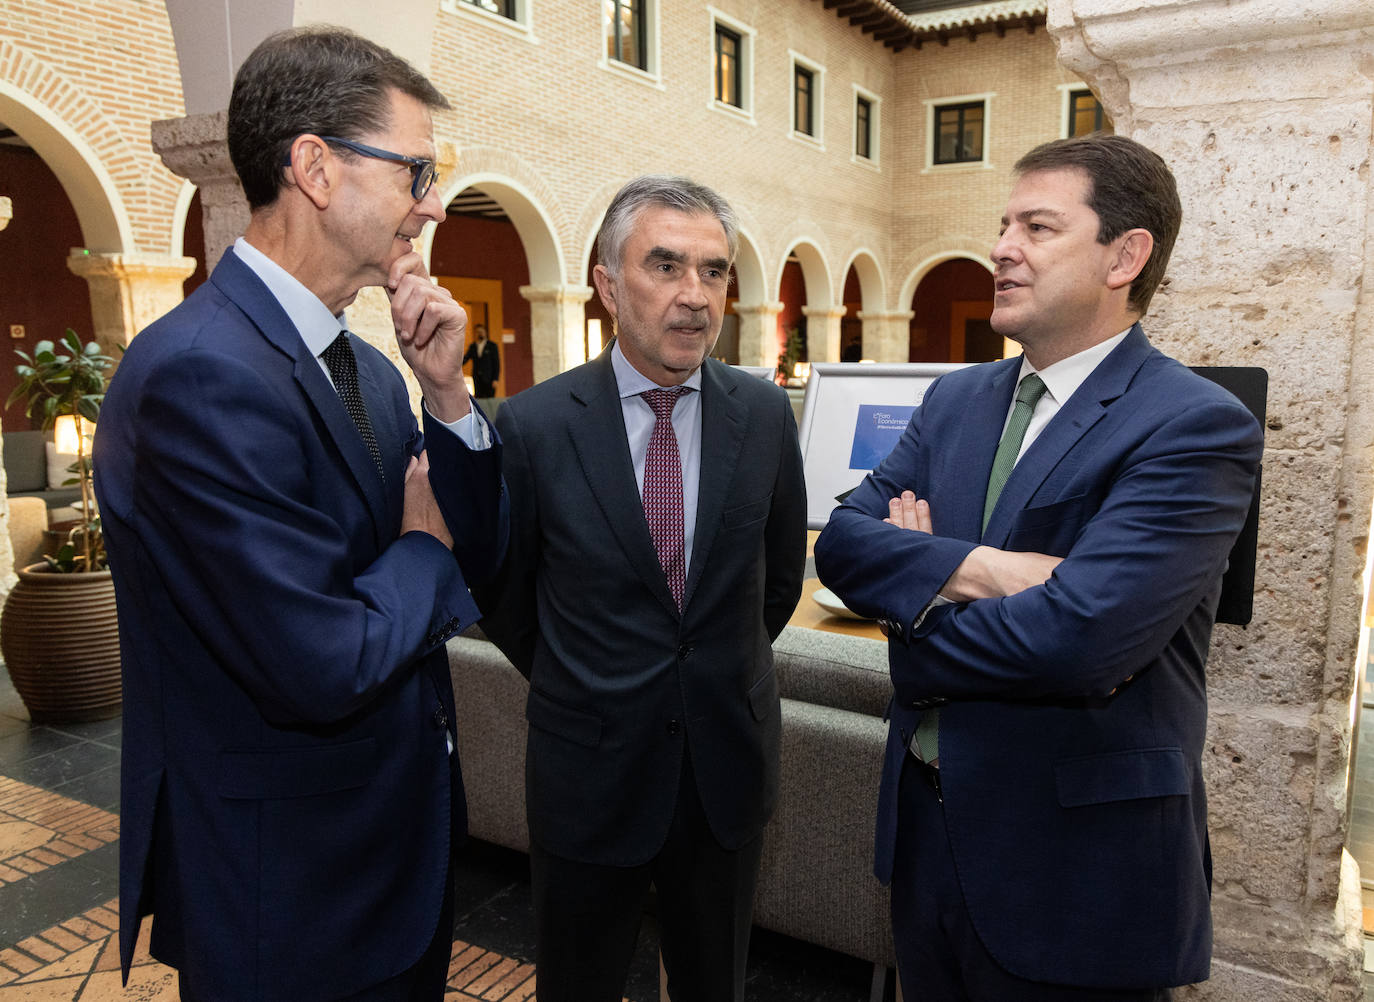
58 632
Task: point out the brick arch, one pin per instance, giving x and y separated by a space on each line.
77 142
526 198
918 264
816 274
872 283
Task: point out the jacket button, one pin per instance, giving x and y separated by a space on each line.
674 727
684 652
440 718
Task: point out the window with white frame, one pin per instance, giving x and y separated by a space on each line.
958 131
866 122
1083 113
808 97
732 58
627 32
508 14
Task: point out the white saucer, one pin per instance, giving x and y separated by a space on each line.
831 603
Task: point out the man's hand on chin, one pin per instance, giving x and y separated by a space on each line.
431 330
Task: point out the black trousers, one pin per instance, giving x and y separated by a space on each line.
587 916
940 957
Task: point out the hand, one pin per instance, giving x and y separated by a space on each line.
431 330
991 573
421 512
907 512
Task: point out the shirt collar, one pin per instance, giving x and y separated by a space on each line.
1068 374
631 382
317 326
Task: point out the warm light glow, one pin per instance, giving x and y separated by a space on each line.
1010 348
802 370
65 434
472 387
594 344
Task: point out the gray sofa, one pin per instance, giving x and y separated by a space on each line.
26 469
816 883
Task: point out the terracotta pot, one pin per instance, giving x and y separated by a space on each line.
60 640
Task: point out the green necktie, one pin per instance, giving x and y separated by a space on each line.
1028 394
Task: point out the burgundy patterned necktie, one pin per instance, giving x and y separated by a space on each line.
663 490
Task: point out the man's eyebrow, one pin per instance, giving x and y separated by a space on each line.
664 254
1026 214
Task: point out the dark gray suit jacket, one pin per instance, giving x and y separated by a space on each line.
620 682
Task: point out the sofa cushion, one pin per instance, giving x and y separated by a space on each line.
26 462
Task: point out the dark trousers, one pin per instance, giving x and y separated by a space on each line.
587 916
940 957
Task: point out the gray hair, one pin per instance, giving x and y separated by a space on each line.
661 190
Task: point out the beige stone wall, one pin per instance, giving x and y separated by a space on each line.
1270 137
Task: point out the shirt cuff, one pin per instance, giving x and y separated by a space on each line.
472 428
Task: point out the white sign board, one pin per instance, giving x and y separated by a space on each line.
853 415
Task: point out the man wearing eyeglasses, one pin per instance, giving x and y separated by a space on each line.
290 553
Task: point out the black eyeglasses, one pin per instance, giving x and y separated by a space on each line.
423 173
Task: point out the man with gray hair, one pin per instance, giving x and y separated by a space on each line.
658 545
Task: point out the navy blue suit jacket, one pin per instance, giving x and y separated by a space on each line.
287 795
1070 750
621 682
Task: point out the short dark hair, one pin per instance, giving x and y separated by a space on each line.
663 191
322 80
1130 187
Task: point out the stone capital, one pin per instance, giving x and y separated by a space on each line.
129 291
824 312
758 309
195 148
559 294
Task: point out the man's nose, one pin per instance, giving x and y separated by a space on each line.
692 291
1006 247
431 207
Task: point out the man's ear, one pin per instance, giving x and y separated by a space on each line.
313 169
1132 253
605 287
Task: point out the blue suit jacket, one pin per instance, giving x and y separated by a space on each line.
1073 797
287 794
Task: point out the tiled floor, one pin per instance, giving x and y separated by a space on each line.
59 832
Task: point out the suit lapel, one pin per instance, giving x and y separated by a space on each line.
241 285
977 439
723 422
1088 405
603 451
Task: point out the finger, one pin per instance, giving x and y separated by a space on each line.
407 264
923 520
894 511
909 510
411 467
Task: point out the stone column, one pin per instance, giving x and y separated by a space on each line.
1263 109
129 291
6 212
558 327
196 148
887 336
823 333
758 333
